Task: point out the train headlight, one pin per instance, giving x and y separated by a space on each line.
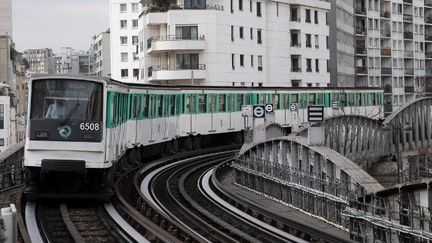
42 134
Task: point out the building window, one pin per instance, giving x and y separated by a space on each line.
241 32
135 56
308 65
134 7
135 23
123 8
259 40
250 6
123 24
135 40
308 16
317 66
124 73
316 17
2 143
252 60
241 60
136 73
316 41
187 61
124 56
123 40
294 16
241 5
308 40
232 62
1 116
260 67
251 33
232 33
231 5
258 9
187 32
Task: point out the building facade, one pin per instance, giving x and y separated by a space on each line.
393 46
41 60
124 39
6 17
342 72
102 54
241 43
63 60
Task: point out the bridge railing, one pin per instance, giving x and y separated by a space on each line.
11 170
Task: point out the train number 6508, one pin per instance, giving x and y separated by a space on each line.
89 126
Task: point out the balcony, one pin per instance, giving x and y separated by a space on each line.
408 35
428 20
361 70
386 71
428 37
172 72
385 14
429 55
296 70
360 10
409 89
385 33
409 71
386 52
156 15
361 51
388 89
157 44
407 18
361 31
408 54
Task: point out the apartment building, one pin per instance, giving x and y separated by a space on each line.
235 42
6 17
102 54
342 72
124 39
393 46
41 60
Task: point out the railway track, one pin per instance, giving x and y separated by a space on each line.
76 223
177 191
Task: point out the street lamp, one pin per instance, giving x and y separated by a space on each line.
396 130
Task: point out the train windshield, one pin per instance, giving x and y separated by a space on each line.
66 99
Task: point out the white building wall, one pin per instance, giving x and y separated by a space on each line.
215 25
6 17
116 32
5 135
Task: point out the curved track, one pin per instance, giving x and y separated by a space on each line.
177 192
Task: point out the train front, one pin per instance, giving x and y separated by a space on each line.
64 151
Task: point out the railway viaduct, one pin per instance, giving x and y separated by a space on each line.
334 180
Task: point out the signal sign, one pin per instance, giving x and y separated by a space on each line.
269 108
315 113
258 111
293 107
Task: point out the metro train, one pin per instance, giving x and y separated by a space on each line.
79 127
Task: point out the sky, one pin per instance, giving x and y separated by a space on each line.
58 23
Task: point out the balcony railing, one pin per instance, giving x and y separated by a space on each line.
157 9
408 54
386 52
360 10
409 71
409 89
408 35
407 17
428 54
361 31
361 70
172 38
361 50
296 70
152 69
386 14
385 32
296 44
386 71
429 72
428 37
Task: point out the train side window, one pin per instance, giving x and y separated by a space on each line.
146 106
275 101
343 100
152 106
294 98
212 103
284 102
239 103
320 99
230 102
159 105
202 103
178 104
171 105
312 99
221 103
114 107
261 98
247 99
373 102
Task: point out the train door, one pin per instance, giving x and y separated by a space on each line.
136 104
202 108
151 116
190 107
284 106
212 109
231 109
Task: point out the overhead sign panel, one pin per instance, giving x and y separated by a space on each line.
315 113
